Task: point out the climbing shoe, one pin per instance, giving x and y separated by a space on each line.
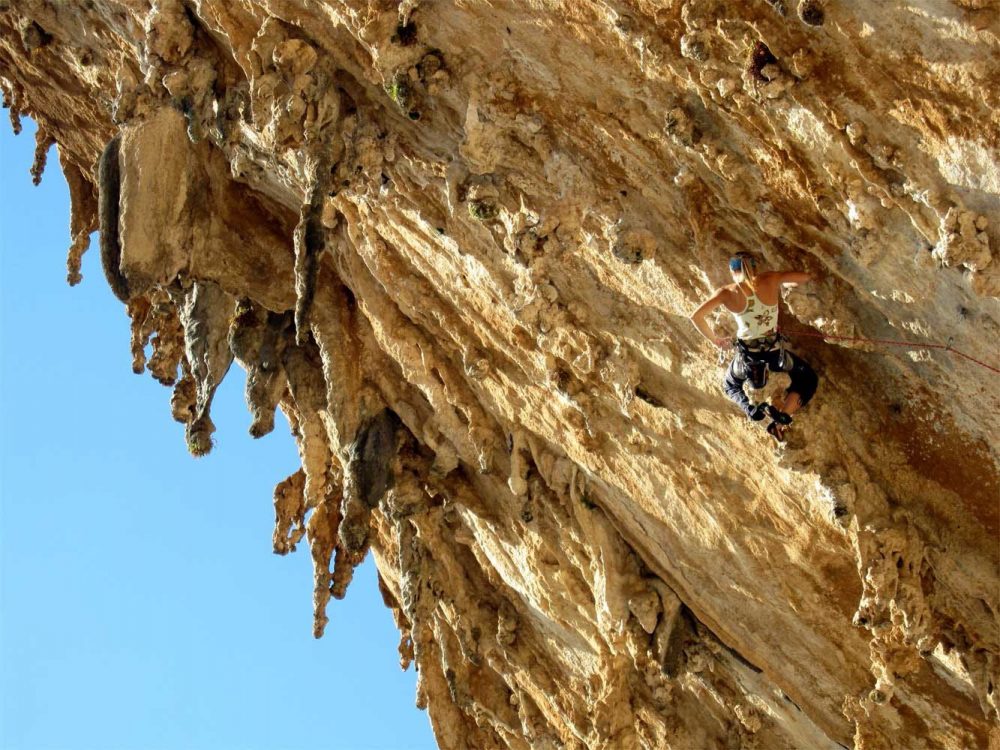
777 431
758 412
777 415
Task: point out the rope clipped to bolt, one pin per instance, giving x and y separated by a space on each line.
892 342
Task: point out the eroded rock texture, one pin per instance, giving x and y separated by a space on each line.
457 242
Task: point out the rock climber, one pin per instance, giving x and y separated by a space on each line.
753 298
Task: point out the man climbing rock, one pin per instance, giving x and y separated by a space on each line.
752 298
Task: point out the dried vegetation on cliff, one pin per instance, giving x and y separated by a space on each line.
456 243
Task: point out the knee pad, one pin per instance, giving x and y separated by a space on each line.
739 368
785 362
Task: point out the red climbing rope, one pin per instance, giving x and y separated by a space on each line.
891 342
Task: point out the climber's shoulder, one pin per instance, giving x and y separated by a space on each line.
731 296
724 293
723 296
769 277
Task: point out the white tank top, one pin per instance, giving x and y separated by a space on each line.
756 320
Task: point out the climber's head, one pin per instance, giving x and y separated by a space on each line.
743 267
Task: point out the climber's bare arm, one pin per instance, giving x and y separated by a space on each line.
700 317
793 278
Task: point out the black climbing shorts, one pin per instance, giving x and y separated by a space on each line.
804 379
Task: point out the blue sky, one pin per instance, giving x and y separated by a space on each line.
141 607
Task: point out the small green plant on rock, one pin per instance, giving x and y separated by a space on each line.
198 447
199 437
400 90
483 210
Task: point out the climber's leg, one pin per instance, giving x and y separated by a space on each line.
802 387
798 393
790 403
733 386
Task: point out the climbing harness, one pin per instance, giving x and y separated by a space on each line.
751 366
891 342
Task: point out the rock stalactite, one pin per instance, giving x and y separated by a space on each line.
456 243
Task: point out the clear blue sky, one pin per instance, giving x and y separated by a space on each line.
141 606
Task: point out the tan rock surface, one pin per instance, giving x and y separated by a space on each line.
457 243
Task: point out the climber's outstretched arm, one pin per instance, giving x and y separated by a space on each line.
793 277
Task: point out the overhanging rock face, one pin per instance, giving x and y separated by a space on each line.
457 244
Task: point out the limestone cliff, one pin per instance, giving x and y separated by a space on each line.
457 241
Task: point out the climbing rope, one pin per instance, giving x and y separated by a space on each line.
891 342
